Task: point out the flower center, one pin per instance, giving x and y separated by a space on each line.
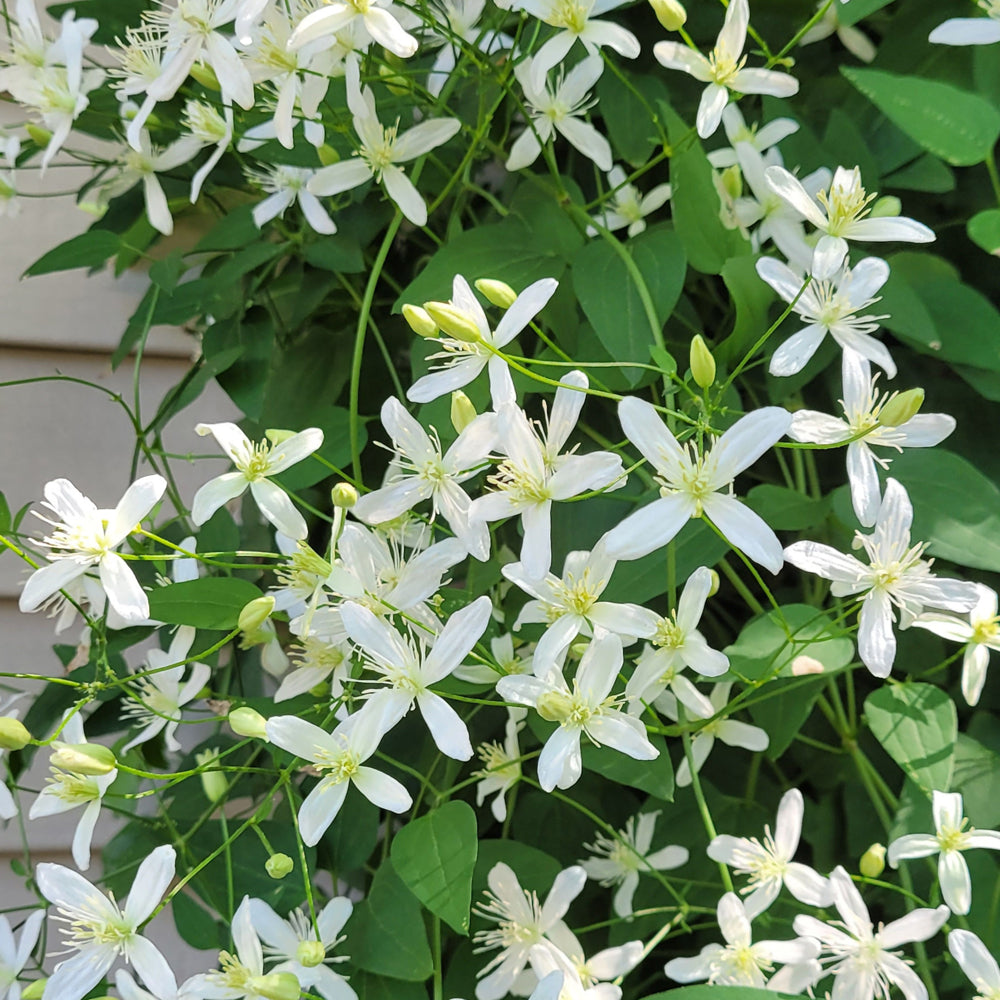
341 765
724 66
570 15
845 204
954 838
669 635
378 154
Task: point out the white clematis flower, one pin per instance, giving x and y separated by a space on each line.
408 668
560 110
101 932
585 708
861 957
375 22
896 575
980 634
286 185
829 306
976 962
970 30
617 861
338 757
584 978
862 405
14 955
382 150
949 840
739 962
501 769
852 38
463 360
627 206
690 482
723 69
842 217
522 924
769 864
761 137
85 537
459 19
255 463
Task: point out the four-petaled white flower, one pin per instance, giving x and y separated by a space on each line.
896 575
842 217
285 185
463 360
85 537
335 16
501 769
627 206
980 634
761 137
407 669
863 404
861 957
690 481
829 306
769 864
99 931
618 860
560 110
338 757
304 950
382 150
949 840
723 69
522 924
584 708
739 962
419 471
255 463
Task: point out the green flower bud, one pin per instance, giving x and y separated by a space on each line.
454 322
213 782
310 953
278 436
731 181
669 13
714 587
278 865
34 989
344 495
702 363
900 407
277 986
462 411
497 292
327 155
420 321
886 207
246 721
254 614
554 706
13 735
396 82
205 75
84 758
40 136
873 861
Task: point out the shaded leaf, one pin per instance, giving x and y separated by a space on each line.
210 602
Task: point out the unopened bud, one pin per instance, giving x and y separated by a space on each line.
278 865
254 614
713 588
702 363
91 759
901 407
40 136
277 435
13 735
213 782
396 82
731 181
872 861
310 954
554 706
804 665
34 990
497 292
886 207
205 75
246 721
327 155
669 13
344 495
454 322
278 986
462 411
420 321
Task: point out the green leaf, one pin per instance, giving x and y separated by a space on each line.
386 933
628 113
977 777
953 124
232 232
194 923
926 173
167 272
535 870
369 987
609 293
335 253
781 708
5 520
984 230
89 249
695 204
653 776
752 298
917 725
212 602
785 509
435 856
